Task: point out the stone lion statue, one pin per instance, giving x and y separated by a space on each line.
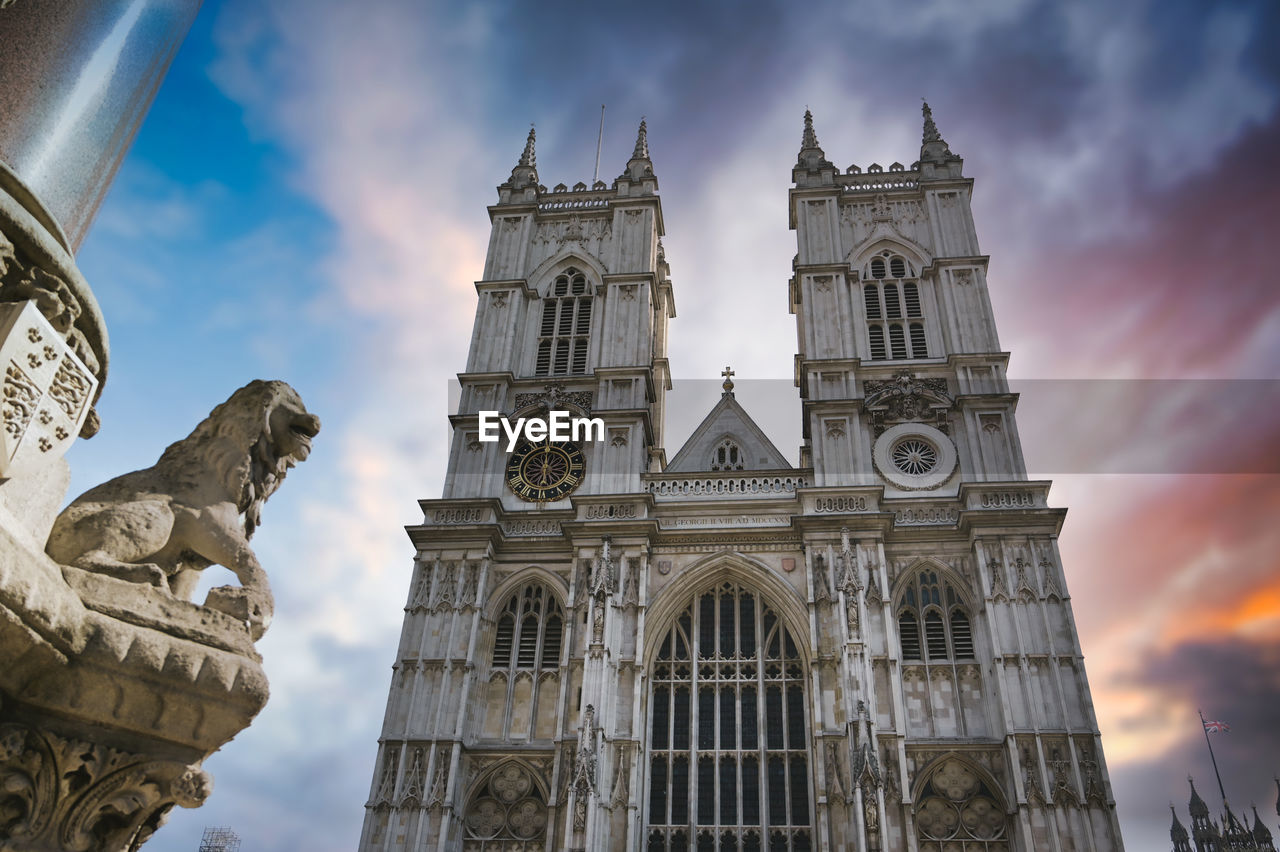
198 506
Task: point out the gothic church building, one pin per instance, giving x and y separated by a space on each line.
605 648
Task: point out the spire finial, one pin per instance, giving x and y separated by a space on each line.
930 129
728 379
642 142
810 139
933 148
528 157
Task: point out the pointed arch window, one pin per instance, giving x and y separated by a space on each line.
565 329
933 603
727 455
728 725
530 631
893 294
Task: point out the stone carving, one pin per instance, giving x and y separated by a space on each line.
631 588
622 776
865 769
821 587
439 781
58 793
836 788
602 573
1092 783
470 580
555 397
45 392
415 780
851 614
892 791
445 587
584 768
1063 792
906 398
1031 779
20 398
1050 584
197 506
422 591
998 589
55 299
1025 585
850 582
597 621
387 784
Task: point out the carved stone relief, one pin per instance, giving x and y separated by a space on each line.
58 793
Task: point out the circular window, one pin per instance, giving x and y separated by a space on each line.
914 456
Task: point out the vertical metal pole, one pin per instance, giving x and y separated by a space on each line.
1213 759
599 139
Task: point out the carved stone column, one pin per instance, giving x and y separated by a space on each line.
112 691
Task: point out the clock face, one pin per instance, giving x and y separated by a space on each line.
541 473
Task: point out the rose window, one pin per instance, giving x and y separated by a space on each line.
914 456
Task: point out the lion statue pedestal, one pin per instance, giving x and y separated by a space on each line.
114 687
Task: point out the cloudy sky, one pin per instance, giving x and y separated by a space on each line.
306 201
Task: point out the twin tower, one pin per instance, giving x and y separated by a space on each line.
607 646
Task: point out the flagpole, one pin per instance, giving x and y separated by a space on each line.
1212 758
599 140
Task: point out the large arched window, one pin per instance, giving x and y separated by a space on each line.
566 326
957 811
518 702
895 319
933 623
728 731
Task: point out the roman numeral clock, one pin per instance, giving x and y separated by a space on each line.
542 472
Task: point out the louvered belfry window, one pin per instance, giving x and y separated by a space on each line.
728 725
565 329
932 602
530 631
895 317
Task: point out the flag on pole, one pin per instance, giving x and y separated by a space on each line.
1215 727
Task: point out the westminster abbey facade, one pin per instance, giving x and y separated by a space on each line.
608 648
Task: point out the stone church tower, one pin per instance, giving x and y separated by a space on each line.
604 649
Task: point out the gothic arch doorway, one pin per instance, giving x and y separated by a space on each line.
728 730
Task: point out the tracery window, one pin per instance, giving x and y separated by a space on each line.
948 634
508 812
957 811
727 456
530 631
895 318
566 326
728 717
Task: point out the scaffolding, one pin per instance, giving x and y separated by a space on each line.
219 839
